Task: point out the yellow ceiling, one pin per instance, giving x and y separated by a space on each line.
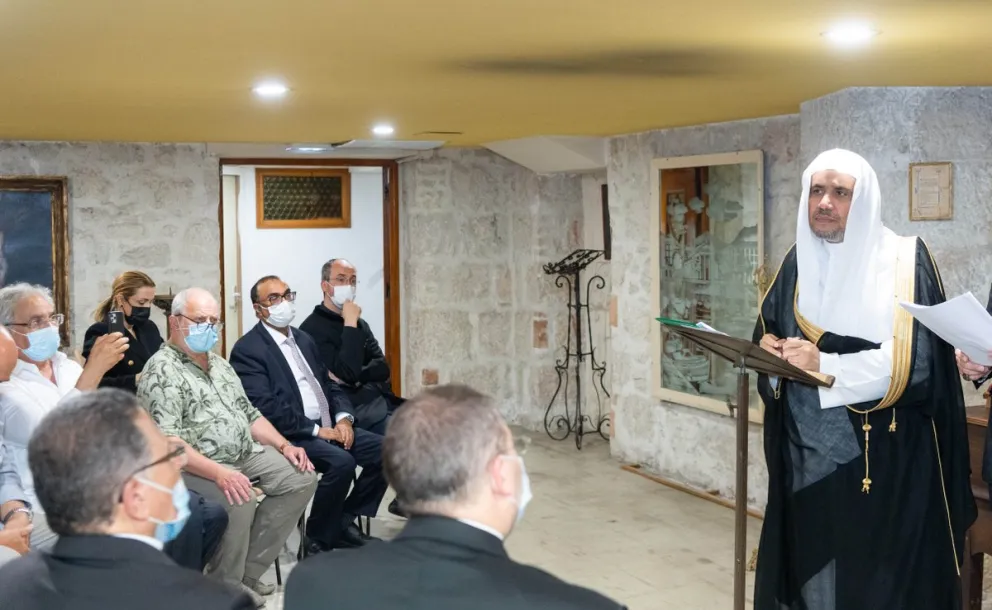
182 70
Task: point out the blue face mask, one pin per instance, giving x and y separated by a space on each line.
166 531
202 338
43 344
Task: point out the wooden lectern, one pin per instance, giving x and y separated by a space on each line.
745 355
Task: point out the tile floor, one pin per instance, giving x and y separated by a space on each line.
591 523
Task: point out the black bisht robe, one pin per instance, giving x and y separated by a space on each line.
827 545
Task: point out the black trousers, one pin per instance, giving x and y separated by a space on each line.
333 507
197 543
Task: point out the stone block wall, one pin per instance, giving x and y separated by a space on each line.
151 207
686 444
477 306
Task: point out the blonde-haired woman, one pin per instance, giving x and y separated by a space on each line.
132 293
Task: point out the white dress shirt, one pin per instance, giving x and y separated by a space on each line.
482 527
24 400
152 542
311 408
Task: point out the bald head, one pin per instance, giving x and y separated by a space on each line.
8 354
339 270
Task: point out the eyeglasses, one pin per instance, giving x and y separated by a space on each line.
343 281
41 322
289 295
177 454
214 324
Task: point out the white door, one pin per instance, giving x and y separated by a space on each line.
232 263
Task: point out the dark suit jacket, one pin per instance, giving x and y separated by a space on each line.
435 563
101 572
270 385
140 348
352 354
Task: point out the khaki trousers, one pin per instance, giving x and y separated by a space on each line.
257 531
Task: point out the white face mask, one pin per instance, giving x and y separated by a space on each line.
342 294
281 315
525 493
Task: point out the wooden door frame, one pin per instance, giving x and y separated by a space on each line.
390 243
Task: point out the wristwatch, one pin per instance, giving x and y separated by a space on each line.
283 446
23 509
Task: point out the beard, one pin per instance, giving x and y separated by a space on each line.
833 236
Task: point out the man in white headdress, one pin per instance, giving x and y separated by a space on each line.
869 495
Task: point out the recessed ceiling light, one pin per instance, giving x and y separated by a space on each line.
383 130
270 89
850 34
307 149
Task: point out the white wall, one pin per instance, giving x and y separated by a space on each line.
296 255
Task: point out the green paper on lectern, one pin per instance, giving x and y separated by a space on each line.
674 322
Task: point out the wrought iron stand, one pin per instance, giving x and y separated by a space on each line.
558 426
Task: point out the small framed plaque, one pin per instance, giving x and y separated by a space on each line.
931 191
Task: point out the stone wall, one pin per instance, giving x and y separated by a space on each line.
151 207
686 444
477 306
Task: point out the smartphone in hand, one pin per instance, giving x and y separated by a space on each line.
115 320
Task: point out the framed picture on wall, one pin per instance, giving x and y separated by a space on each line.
707 243
294 198
34 237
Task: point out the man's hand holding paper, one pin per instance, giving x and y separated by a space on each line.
962 322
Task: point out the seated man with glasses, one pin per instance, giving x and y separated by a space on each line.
111 486
283 376
42 377
195 396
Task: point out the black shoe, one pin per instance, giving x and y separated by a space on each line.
314 547
394 508
351 538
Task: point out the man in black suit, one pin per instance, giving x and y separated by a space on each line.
283 376
111 488
451 458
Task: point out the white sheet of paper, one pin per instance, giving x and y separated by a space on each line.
709 328
962 322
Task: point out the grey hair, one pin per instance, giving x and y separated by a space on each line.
11 295
438 446
180 301
82 454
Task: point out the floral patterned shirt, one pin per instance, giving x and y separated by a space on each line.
207 409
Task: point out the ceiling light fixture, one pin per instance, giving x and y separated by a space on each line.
307 150
270 90
383 130
850 34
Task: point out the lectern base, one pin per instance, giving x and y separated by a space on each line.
741 411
